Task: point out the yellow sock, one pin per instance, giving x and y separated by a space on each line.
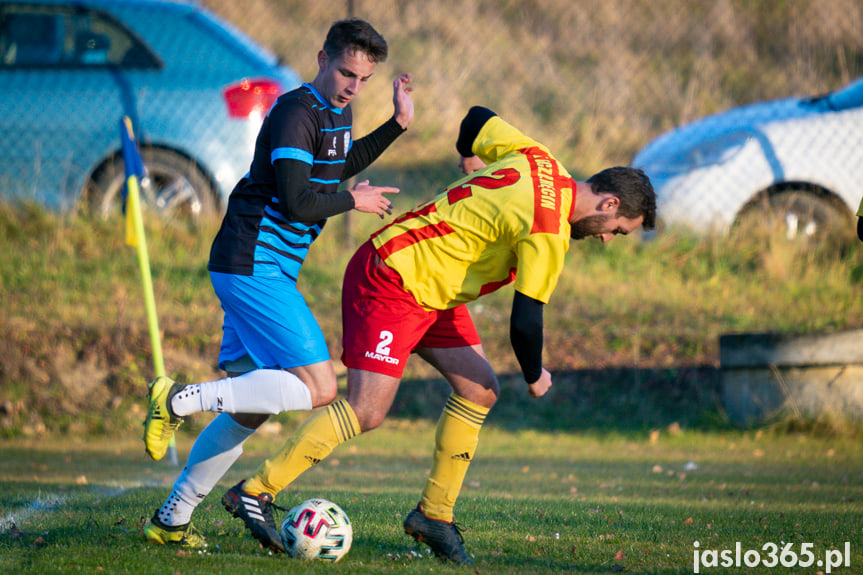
455 444
312 442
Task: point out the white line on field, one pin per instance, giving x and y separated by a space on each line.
49 502
26 512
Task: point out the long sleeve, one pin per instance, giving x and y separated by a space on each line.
367 149
525 332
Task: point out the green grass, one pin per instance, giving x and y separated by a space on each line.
533 502
627 317
631 332
601 461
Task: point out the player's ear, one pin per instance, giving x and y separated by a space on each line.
609 204
323 60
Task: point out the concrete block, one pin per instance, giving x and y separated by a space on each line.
812 376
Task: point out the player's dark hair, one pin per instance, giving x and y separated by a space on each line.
634 190
355 34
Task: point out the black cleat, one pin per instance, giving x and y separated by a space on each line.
444 538
256 511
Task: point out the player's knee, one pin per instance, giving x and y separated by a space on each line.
320 379
323 392
323 395
328 395
488 398
484 393
370 419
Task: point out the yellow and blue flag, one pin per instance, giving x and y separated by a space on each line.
134 170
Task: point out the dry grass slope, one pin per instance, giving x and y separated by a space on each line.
594 80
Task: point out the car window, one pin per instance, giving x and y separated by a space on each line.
34 36
233 36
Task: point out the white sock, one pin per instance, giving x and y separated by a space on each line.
265 391
218 446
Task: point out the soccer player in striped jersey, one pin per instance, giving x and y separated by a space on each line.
272 349
509 221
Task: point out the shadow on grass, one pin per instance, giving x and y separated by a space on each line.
610 399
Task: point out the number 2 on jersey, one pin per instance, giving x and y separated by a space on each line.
505 177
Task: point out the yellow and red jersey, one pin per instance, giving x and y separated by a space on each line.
507 222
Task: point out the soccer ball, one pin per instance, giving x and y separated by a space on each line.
317 529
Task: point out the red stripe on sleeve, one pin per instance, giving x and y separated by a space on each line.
419 212
410 237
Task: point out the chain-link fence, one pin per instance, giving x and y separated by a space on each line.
595 80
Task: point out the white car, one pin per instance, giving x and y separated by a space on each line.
798 160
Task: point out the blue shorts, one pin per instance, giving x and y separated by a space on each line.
268 320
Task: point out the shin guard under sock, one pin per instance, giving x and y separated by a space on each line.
456 439
311 443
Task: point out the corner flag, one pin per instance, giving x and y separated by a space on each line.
134 169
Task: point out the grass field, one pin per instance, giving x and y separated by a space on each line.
533 502
76 348
624 466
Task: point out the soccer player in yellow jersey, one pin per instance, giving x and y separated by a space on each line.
404 291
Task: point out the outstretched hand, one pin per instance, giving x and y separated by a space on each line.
370 199
539 387
403 105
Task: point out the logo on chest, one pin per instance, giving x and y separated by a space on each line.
333 150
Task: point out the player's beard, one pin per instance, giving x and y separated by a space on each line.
589 226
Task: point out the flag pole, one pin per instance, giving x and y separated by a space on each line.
135 236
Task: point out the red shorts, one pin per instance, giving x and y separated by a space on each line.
382 323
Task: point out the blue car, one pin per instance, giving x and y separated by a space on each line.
195 88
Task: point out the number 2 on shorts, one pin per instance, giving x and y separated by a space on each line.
384 345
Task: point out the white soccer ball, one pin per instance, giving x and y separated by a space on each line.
317 529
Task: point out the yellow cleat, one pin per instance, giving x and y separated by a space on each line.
161 422
182 535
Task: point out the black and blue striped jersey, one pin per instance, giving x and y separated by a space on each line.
263 234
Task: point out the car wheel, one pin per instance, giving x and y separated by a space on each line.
797 215
174 186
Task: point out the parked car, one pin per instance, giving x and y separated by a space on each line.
797 162
195 88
